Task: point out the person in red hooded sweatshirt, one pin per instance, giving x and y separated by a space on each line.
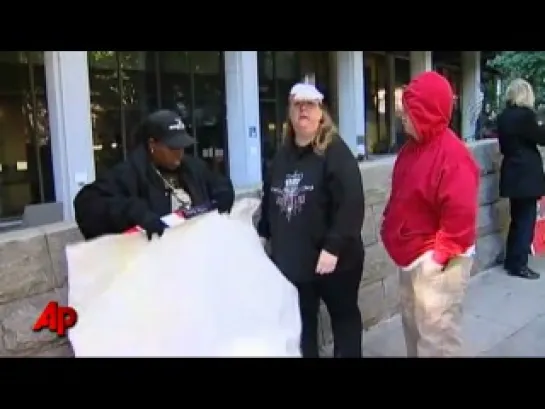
429 226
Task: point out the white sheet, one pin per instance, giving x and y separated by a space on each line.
206 288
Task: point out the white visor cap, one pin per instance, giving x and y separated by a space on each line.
305 92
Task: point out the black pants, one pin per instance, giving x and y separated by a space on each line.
339 291
521 232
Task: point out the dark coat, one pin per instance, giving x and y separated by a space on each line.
519 135
132 192
313 202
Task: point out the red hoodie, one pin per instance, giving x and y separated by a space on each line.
435 183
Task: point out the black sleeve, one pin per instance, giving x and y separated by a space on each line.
110 204
263 226
220 189
344 183
533 131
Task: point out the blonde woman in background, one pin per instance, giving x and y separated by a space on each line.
312 214
522 180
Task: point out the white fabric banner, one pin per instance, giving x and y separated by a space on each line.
206 288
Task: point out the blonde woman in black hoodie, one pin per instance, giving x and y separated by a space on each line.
312 215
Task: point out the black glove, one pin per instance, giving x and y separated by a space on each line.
153 226
223 204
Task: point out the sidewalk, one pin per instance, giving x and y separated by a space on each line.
504 317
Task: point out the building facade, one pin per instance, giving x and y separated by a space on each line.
66 116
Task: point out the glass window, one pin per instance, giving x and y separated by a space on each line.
381 105
175 90
140 85
106 60
314 65
270 134
175 62
402 79
454 76
286 65
278 71
192 84
109 131
265 73
376 89
40 124
490 85
287 73
26 175
447 63
209 125
127 85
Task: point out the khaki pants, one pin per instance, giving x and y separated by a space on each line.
431 308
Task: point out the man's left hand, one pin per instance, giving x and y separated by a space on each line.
326 263
429 265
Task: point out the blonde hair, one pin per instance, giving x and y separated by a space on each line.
520 93
327 131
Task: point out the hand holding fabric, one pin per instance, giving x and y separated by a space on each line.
153 226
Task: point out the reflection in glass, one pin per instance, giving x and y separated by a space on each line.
139 79
209 113
192 84
107 125
127 85
278 71
453 74
26 175
377 121
269 132
265 74
175 80
314 66
402 79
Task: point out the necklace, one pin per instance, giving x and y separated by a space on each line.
173 191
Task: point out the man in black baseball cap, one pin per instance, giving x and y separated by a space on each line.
168 127
156 179
167 137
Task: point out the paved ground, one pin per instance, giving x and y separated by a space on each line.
504 317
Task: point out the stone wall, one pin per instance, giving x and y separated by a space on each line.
33 265
32 273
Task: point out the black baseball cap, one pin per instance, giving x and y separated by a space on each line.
168 128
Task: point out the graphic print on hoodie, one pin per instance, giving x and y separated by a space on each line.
290 198
434 199
313 202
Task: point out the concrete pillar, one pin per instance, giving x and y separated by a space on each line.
420 61
471 93
68 102
243 126
351 99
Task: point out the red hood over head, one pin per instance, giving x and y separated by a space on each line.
428 100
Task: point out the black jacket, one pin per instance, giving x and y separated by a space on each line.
519 134
313 202
132 192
